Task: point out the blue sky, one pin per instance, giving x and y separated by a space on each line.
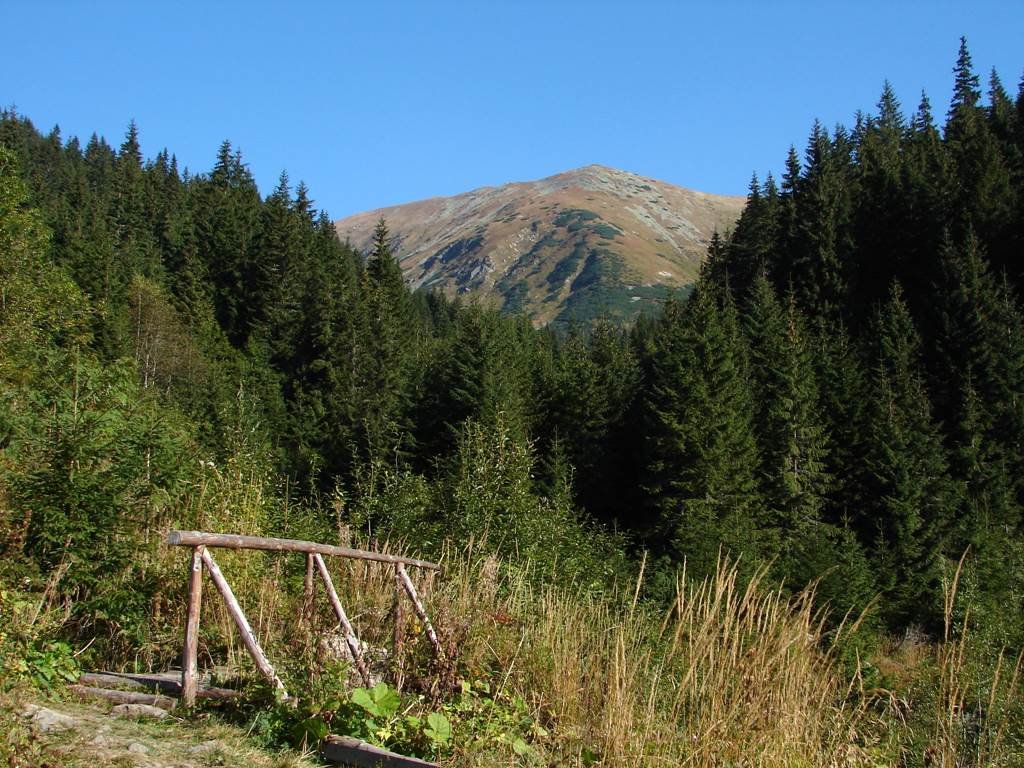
377 103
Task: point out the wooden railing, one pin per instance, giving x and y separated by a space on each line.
201 542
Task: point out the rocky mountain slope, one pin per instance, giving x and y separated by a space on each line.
585 243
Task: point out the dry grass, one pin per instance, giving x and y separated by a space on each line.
968 731
730 676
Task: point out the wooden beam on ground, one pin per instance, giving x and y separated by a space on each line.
346 625
123 697
164 682
349 751
232 541
190 656
410 590
248 636
105 680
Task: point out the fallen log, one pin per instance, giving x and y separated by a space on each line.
123 697
165 682
105 680
349 751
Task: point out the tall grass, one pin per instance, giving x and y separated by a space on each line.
729 675
971 723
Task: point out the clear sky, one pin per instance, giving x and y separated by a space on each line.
377 103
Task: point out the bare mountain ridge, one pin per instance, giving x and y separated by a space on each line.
588 242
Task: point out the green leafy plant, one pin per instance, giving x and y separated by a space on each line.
374 714
380 704
438 729
495 721
43 663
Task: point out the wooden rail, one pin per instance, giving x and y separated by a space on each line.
233 541
201 557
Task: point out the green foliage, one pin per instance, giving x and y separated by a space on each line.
913 500
25 653
494 722
45 665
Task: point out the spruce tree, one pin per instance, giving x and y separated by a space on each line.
792 440
822 245
227 214
910 500
985 197
383 358
701 455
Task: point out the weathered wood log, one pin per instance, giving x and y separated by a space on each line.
346 625
164 682
123 697
420 610
232 541
104 680
349 751
248 636
190 656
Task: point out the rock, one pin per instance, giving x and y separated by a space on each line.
48 720
138 749
100 740
203 749
137 711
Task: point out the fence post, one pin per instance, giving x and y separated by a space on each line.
399 650
190 660
307 594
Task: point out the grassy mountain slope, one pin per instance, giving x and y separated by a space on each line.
590 241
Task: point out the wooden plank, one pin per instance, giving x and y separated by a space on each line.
123 697
248 636
349 751
190 656
346 625
232 541
410 590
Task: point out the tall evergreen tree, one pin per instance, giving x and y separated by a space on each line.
911 502
823 246
384 356
227 223
792 440
700 447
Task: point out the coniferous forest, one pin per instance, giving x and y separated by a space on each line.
839 402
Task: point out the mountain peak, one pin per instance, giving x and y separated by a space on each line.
589 241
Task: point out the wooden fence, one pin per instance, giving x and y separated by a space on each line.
201 542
